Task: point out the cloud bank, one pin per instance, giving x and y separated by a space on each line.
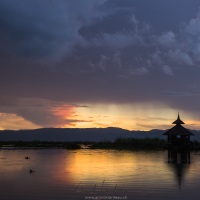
100 51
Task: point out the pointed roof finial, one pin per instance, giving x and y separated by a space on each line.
178 121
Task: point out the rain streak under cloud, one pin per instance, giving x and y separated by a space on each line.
131 63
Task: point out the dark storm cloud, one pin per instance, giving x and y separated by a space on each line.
101 51
44 28
42 112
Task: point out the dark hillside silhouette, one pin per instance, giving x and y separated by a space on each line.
81 134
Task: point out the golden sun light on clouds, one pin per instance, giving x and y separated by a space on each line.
14 122
128 116
38 113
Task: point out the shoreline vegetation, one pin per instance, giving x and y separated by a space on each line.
118 144
132 144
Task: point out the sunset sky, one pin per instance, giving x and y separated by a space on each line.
132 64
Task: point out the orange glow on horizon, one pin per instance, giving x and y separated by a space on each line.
141 116
15 122
131 117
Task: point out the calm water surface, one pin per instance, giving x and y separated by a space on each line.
96 174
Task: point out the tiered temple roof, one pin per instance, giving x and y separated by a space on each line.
178 129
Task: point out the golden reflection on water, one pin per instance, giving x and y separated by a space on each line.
118 166
95 166
80 172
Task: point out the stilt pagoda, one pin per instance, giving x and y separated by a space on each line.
178 136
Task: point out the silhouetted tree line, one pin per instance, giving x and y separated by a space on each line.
119 143
40 144
132 143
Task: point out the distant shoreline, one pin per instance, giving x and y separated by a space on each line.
120 144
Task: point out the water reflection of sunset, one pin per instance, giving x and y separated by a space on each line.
73 174
99 165
94 164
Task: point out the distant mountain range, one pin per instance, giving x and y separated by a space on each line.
82 134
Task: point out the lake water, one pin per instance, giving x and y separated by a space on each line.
96 174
